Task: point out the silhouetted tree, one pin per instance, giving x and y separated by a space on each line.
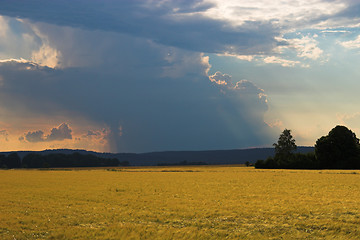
303 161
339 149
285 146
285 156
269 163
34 160
13 160
2 161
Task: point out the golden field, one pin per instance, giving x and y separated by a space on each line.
207 202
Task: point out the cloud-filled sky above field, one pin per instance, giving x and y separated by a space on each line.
154 75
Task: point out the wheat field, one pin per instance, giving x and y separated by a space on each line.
193 202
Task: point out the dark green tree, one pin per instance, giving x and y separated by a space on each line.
33 160
13 160
285 147
339 149
2 161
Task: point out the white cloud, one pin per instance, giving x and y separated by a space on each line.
335 31
220 79
26 42
21 60
245 57
306 47
46 56
291 14
352 44
248 58
282 62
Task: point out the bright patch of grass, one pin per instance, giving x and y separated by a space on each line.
179 203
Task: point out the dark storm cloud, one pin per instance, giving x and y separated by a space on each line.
36 136
59 133
166 23
343 18
152 113
352 11
151 96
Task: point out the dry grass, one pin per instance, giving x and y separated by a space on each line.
180 203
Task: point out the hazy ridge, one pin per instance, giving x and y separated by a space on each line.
211 157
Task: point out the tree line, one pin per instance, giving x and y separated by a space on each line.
340 149
56 160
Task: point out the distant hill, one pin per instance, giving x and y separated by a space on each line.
213 157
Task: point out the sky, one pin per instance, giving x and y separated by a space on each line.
159 75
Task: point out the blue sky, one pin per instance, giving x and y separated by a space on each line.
139 76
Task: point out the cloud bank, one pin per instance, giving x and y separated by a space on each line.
145 110
141 72
178 24
59 133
